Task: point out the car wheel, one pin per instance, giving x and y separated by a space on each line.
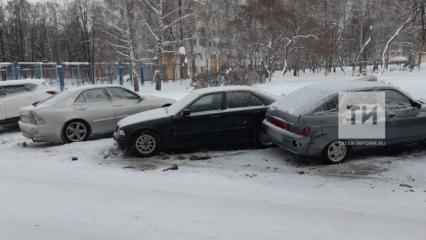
336 152
146 144
262 140
76 131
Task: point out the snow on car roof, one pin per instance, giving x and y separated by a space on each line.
93 86
23 81
311 96
339 86
224 89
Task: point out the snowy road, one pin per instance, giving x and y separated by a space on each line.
236 194
239 194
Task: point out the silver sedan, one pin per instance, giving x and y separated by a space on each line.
77 114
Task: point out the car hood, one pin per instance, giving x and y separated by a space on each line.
156 98
144 116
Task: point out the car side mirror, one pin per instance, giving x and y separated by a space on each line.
186 112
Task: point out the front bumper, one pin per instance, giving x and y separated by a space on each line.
122 141
40 133
290 142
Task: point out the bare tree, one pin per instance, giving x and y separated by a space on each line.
161 23
121 20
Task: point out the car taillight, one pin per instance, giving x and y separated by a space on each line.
52 92
278 122
302 132
291 128
36 119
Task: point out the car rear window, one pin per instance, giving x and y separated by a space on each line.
302 101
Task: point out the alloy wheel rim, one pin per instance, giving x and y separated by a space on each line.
76 132
337 151
146 144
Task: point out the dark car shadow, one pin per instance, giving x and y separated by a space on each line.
10 128
187 156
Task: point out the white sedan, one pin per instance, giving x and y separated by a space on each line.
76 114
15 94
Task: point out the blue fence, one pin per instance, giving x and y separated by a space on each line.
76 74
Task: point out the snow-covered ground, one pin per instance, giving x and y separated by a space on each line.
90 191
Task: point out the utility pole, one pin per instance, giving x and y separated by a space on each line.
180 21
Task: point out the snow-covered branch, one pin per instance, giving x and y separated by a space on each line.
391 39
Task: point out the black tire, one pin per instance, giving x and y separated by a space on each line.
261 140
146 143
335 152
81 131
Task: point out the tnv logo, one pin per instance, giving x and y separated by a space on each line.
362 115
366 114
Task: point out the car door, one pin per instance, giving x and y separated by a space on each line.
202 125
95 107
125 102
16 97
404 119
244 113
323 121
2 103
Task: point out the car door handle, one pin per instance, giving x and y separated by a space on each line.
81 109
392 115
118 105
215 116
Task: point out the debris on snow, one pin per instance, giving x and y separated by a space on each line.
251 175
174 167
199 157
129 167
405 185
180 157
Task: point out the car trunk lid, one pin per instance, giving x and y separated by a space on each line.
287 121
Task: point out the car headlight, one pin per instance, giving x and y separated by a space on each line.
121 132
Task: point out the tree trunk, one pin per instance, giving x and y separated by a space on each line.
390 40
420 60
